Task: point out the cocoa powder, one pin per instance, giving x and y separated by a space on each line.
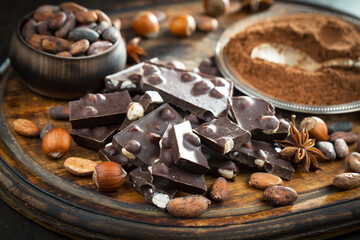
322 37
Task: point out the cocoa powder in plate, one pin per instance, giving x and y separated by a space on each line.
322 37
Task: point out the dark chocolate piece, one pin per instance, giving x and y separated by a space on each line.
203 95
94 138
186 146
99 109
220 165
140 140
222 135
280 134
264 156
194 120
143 183
254 114
112 154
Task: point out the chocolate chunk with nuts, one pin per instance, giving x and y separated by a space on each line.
222 135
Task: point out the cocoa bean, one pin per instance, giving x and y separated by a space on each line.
347 180
103 17
101 27
35 40
29 29
68 25
80 166
189 206
86 17
263 180
117 23
354 162
349 137
219 189
43 28
343 126
79 47
46 129
98 47
83 33
280 195
59 112
48 8
206 23
341 148
64 54
25 127
111 34
42 16
71 6
54 44
327 148
58 20
358 146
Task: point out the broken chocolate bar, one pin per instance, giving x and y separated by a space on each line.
254 114
186 147
112 154
99 109
222 135
140 141
264 156
94 138
203 95
281 133
143 183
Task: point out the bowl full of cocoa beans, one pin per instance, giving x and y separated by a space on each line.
65 51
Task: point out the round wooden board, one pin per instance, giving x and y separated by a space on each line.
43 190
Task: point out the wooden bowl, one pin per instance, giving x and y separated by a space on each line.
62 77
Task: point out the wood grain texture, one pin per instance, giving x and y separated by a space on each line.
43 190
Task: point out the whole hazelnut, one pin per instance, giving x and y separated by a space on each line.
146 24
216 8
108 176
56 142
183 25
316 127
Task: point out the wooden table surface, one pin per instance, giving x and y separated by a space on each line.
44 191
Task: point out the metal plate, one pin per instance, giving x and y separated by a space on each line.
241 85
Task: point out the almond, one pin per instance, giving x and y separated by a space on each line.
189 206
25 127
80 166
219 189
263 180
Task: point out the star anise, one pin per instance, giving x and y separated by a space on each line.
300 150
133 49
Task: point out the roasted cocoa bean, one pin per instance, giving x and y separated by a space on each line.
64 54
349 137
111 34
101 27
35 40
354 162
46 129
358 146
98 47
343 126
43 28
117 23
263 180
42 16
103 17
206 23
71 6
83 33
54 44
190 206
79 47
25 127
86 17
29 29
347 180
327 148
58 20
219 189
59 112
341 148
48 8
280 195
68 25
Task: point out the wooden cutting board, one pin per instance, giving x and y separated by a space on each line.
41 188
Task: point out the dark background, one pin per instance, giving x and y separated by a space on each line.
12 224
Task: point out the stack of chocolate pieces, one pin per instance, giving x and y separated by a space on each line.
178 129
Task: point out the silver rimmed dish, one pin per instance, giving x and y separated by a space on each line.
228 71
